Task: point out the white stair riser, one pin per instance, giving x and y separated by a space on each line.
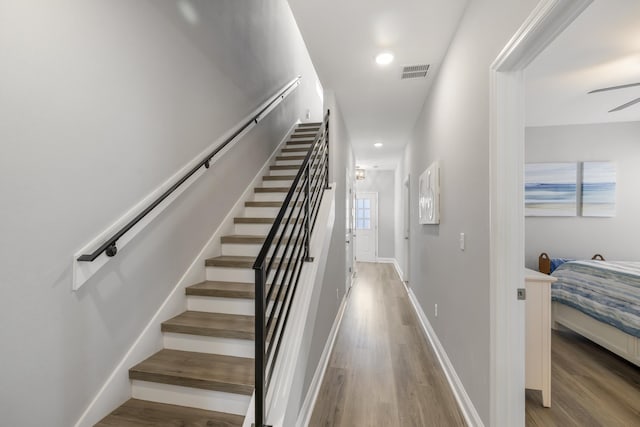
261 212
243 249
254 229
229 274
280 172
242 306
280 183
302 147
212 345
192 397
288 162
298 152
269 197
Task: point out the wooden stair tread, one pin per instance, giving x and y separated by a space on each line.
197 370
304 134
253 220
220 289
290 157
260 204
303 142
243 239
295 150
231 261
273 189
142 413
212 325
284 167
278 177
316 124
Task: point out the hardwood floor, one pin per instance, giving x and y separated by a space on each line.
382 371
589 387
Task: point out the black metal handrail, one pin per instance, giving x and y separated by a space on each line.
279 263
110 246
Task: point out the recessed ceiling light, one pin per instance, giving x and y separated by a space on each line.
378 144
385 58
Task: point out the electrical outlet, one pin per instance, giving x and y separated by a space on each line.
436 310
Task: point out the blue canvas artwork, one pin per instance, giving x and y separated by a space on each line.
550 189
598 189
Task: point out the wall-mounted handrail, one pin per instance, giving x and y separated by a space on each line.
280 261
110 245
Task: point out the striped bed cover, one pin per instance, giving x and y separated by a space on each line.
606 291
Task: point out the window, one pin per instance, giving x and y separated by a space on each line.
363 214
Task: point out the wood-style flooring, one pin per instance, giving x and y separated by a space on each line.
382 371
589 387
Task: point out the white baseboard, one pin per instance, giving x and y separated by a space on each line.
469 412
314 388
117 388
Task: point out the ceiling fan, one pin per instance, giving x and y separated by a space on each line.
625 105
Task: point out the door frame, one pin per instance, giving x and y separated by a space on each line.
375 225
350 198
548 19
406 232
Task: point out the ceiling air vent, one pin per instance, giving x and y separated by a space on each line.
414 71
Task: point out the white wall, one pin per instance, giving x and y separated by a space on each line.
581 237
453 127
382 182
100 102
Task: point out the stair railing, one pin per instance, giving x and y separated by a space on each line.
279 263
109 247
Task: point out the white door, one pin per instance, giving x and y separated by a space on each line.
366 226
407 218
350 202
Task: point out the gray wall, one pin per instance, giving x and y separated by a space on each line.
581 237
382 182
101 101
453 127
333 288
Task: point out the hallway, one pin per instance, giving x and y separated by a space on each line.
382 370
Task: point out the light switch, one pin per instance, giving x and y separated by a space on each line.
462 241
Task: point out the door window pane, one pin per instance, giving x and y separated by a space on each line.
363 214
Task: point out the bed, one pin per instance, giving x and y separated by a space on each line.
601 301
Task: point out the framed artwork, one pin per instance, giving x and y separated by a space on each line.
550 189
598 189
429 195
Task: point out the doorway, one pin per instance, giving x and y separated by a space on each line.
406 203
548 20
348 238
366 226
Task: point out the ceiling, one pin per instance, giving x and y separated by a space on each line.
343 39
601 48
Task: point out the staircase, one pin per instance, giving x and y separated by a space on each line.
204 375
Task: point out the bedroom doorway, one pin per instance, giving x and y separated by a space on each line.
507 388
577 209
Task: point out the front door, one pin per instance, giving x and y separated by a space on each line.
366 226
